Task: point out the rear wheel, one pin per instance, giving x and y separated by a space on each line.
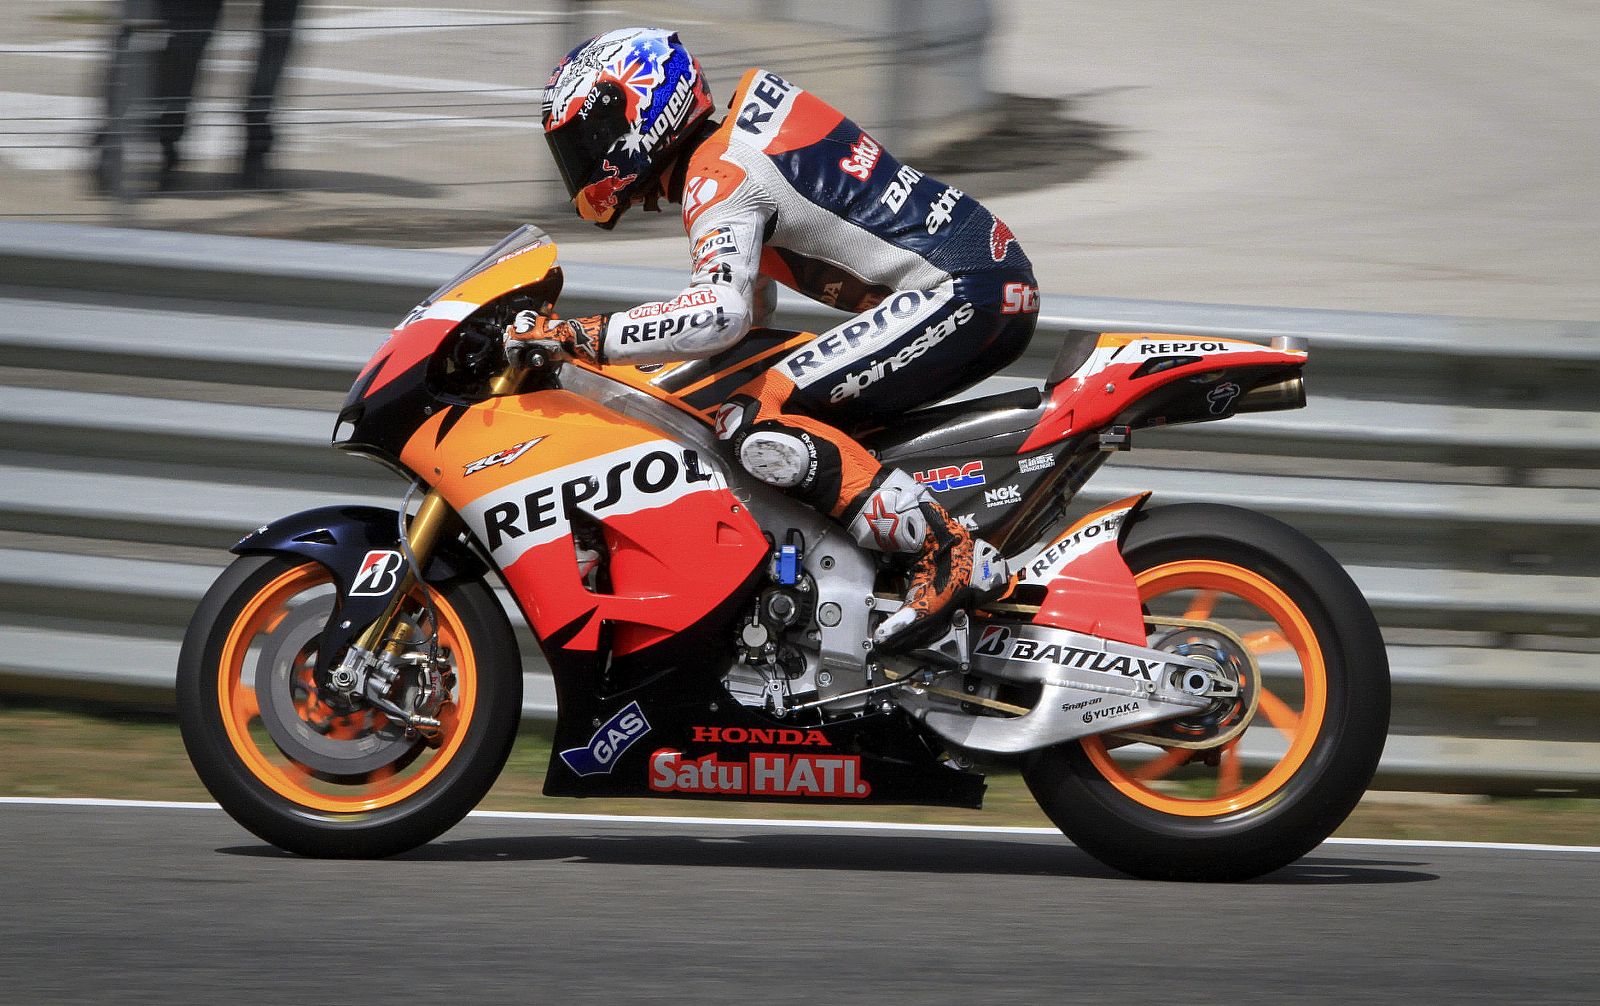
1257 783
322 780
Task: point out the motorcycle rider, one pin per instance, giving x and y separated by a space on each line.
786 188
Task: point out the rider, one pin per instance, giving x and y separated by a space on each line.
788 189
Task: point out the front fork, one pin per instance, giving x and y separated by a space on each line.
376 658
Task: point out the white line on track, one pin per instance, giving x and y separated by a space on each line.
765 822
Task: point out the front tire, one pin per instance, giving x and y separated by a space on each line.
1274 792
300 774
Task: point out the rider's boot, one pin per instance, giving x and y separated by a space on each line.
952 569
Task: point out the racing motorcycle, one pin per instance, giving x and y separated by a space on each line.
1190 691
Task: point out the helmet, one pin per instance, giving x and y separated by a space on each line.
616 110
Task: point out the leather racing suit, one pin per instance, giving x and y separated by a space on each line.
789 189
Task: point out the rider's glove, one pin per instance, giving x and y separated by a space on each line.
579 338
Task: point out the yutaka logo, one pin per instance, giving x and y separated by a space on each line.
504 457
609 743
951 477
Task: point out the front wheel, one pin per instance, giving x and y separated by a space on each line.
1279 773
340 782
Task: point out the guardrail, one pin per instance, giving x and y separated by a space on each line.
160 393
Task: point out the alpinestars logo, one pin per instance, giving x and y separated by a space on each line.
883 522
999 237
854 384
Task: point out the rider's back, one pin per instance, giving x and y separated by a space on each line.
846 222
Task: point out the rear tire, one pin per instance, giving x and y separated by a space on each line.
358 788
1252 814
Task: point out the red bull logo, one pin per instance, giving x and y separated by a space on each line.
598 200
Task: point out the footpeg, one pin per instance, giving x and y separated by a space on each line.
952 649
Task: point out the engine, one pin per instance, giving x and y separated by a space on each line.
780 643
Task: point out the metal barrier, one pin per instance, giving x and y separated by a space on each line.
161 393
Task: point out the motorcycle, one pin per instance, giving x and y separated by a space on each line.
1190 691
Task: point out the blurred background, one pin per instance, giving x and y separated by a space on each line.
1420 157
1388 180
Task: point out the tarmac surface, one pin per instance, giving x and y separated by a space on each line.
1426 157
135 905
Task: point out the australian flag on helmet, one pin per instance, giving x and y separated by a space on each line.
616 110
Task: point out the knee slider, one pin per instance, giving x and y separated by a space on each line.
776 456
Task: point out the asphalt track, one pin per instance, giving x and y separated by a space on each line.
178 905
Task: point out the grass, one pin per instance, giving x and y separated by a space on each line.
57 751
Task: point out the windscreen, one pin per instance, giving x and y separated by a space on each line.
520 240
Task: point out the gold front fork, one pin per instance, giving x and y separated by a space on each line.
433 517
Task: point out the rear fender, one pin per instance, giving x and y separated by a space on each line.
360 547
1089 587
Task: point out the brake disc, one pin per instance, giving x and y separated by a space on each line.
287 654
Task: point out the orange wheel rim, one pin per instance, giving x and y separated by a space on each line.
1211 579
239 707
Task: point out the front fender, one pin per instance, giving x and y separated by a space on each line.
359 546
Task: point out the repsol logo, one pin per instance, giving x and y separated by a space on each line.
901 307
650 475
635 332
1181 348
1104 528
766 94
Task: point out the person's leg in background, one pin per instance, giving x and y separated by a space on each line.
189 24
276 38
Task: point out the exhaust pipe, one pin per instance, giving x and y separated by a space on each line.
1289 393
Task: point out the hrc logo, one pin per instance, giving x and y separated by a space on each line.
951 476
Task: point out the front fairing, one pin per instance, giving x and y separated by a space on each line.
446 348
